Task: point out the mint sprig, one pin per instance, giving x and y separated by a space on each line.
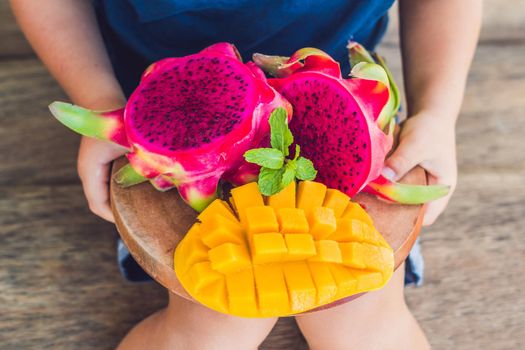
278 171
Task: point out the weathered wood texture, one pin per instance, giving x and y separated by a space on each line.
12 41
60 287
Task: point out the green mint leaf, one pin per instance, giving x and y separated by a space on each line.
305 169
290 170
270 180
297 151
281 137
265 157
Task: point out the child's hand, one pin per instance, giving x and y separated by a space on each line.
94 159
430 142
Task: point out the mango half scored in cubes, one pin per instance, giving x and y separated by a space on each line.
305 247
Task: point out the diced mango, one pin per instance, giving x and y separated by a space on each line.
355 211
194 230
301 288
201 275
322 222
336 200
310 194
327 251
271 290
191 248
221 235
353 254
195 251
367 280
280 259
283 199
217 207
348 230
219 230
215 296
372 236
260 220
300 246
345 280
241 293
229 257
377 258
267 247
246 196
324 282
292 220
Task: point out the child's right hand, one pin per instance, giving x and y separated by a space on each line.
94 160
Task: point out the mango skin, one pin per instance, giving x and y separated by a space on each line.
272 260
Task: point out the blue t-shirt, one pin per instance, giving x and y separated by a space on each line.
139 32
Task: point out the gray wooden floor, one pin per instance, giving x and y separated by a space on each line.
59 284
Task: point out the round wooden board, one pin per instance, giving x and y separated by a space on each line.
152 223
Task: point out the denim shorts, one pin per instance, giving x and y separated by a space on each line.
132 271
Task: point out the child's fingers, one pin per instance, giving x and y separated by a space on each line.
405 157
94 159
95 185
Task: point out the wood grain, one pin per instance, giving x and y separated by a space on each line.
152 223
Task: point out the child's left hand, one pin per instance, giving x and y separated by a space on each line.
427 140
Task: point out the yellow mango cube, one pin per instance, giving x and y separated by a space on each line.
301 288
353 254
267 247
201 275
246 196
292 220
327 251
271 290
322 222
221 235
348 230
378 258
219 230
355 211
195 251
367 280
300 246
371 235
241 293
283 199
260 220
229 257
324 282
336 200
217 207
215 296
345 280
310 194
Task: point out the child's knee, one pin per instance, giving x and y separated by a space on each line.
203 328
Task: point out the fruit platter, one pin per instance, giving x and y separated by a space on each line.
153 223
255 188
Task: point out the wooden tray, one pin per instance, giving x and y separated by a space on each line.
152 223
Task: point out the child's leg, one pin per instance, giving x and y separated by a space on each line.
377 320
186 325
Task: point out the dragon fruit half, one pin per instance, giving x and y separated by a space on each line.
344 126
188 123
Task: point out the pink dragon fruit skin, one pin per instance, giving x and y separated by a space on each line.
188 123
340 123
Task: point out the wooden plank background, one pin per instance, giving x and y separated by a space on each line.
59 284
